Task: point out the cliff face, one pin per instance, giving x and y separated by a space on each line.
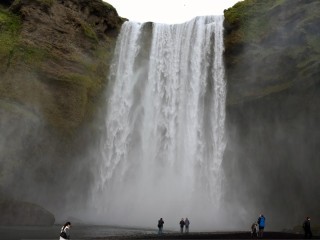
271 46
273 70
14 213
54 56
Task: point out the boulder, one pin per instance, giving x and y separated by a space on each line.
24 213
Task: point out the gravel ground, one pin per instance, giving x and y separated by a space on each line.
211 235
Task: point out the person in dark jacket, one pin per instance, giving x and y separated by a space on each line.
64 233
307 228
160 225
261 222
182 223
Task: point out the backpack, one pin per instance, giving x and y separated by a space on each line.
63 234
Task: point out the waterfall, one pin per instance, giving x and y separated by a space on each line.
164 140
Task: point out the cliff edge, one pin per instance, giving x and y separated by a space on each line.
55 56
272 55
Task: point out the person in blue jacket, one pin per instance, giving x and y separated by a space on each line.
262 223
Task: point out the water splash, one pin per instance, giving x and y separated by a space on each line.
164 140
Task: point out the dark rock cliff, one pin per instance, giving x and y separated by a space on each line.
60 51
23 213
273 70
55 56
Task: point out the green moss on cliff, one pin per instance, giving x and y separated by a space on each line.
271 46
250 19
12 51
10 26
88 31
56 58
28 55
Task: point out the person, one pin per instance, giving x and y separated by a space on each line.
160 225
261 223
64 233
182 223
254 232
187 223
307 228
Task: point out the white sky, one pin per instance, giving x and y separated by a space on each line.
169 11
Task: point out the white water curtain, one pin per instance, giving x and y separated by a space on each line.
164 140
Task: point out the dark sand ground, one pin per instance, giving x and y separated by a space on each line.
116 233
210 235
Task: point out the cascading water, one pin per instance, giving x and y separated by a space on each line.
164 138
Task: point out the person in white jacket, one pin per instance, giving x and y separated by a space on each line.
64 233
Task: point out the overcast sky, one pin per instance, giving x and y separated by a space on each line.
169 11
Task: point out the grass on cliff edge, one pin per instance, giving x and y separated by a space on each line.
10 46
250 19
10 26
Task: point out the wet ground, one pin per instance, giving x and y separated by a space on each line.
77 232
109 233
211 235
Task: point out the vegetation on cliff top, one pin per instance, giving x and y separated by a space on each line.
271 46
10 26
12 49
54 58
54 45
250 19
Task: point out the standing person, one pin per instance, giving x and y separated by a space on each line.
187 223
307 228
182 223
261 223
64 233
160 225
254 230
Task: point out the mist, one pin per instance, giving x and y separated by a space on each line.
164 139
172 139
39 164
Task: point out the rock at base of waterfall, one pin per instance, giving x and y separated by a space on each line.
24 213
